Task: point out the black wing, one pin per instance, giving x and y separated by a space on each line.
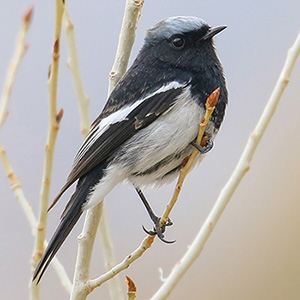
117 133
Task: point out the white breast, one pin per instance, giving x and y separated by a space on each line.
169 135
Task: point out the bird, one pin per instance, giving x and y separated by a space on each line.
149 123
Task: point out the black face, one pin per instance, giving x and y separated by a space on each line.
187 51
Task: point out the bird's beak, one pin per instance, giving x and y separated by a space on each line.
213 31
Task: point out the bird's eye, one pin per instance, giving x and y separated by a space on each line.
178 42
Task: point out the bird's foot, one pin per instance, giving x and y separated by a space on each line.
206 148
158 229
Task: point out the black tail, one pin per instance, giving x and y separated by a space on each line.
69 218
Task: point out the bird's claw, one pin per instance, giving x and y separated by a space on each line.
203 149
159 230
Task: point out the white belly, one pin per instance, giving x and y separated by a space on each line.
161 147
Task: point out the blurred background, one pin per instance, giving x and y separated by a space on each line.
254 252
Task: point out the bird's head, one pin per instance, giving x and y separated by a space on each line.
184 42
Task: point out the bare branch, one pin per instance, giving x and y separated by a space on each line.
27 209
115 288
20 50
18 190
16 186
85 245
73 64
145 245
126 40
54 120
131 17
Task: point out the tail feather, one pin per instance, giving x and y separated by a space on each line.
60 235
69 218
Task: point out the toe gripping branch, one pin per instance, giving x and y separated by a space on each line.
208 145
158 229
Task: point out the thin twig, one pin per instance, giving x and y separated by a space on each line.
210 106
80 288
20 50
83 101
86 240
241 169
131 17
16 186
18 190
115 288
54 121
73 64
146 244
27 209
